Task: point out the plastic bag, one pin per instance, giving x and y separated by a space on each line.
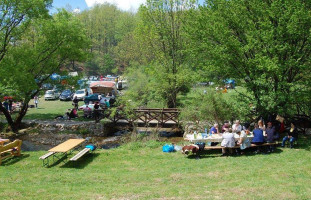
168 148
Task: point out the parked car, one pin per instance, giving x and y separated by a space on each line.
80 94
51 95
93 98
66 95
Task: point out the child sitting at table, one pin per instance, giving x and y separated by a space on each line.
228 141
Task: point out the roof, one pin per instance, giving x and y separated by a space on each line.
109 84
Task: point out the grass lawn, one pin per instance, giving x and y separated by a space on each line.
142 171
48 109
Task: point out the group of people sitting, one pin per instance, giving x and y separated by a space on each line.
261 134
70 114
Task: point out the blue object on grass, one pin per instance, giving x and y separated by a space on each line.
91 146
168 148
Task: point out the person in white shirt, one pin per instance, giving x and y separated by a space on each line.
237 127
228 141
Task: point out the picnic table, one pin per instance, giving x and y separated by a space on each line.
61 150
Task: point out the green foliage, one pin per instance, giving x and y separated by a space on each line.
45 46
106 26
264 44
143 90
210 106
15 17
162 29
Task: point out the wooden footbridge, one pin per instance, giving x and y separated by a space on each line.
148 117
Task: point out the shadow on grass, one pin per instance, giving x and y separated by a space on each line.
14 159
40 116
215 153
48 116
82 162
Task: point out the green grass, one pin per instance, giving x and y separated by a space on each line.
48 109
137 171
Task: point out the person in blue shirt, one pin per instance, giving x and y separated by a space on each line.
107 103
258 137
214 129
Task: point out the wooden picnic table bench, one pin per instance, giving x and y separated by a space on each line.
10 149
63 148
238 146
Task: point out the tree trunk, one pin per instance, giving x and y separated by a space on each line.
8 117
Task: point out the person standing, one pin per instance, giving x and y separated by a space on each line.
6 105
75 102
96 112
10 105
36 101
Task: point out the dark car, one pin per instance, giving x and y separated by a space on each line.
93 98
66 95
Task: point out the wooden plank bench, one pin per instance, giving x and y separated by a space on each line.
45 158
238 146
80 154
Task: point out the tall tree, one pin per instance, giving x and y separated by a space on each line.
162 30
44 48
266 45
15 16
106 26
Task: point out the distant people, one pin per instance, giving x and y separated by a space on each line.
96 111
107 103
236 126
261 125
292 135
214 129
280 126
10 105
112 101
75 102
228 141
99 97
73 114
244 141
270 132
36 101
226 125
258 137
6 105
272 135
87 112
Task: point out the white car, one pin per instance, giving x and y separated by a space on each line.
80 94
50 95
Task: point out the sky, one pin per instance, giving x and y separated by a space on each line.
127 5
80 5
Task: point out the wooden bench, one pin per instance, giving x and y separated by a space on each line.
238 146
46 155
10 149
80 154
45 158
